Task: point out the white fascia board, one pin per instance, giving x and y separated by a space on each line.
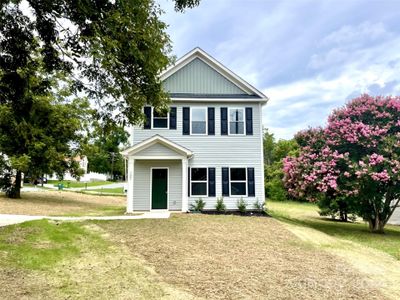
153 140
230 100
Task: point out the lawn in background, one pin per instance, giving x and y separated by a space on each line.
78 184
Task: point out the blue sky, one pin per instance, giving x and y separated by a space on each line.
308 57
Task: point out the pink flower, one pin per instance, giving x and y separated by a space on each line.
375 159
380 176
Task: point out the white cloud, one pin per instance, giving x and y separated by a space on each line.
348 35
314 98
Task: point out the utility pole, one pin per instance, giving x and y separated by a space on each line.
112 164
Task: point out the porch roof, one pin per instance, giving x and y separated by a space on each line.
157 139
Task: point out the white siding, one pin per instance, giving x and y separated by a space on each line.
142 187
157 150
218 151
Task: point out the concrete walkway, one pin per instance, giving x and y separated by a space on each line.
6 219
98 187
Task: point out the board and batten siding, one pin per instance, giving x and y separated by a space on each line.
218 151
142 183
199 78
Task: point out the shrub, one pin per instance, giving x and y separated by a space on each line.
198 205
258 206
241 205
275 190
220 206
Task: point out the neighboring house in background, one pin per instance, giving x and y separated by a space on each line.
209 145
83 164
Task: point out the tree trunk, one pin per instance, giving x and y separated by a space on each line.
343 216
16 189
376 225
343 211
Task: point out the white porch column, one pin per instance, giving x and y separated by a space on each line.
129 197
185 199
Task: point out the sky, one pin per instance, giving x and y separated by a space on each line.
308 57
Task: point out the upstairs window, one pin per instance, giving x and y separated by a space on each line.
199 120
236 121
238 181
160 119
198 180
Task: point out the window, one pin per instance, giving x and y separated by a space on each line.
198 179
236 121
238 181
199 120
160 119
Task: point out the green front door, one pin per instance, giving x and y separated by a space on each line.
159 189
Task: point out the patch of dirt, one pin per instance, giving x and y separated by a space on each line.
229 257
381 270
19 234
57 203
20 284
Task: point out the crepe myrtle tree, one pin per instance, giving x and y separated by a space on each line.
354 160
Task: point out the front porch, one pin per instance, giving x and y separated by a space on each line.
157 176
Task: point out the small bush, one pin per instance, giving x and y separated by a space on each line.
241 205
275 190
198 205
220 206
258 206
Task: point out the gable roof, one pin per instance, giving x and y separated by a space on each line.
156 139
234 86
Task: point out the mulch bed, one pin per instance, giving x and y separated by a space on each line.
249 213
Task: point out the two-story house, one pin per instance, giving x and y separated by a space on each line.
209 144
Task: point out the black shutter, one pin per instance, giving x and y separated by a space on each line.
186 121
172 118
189 175
225 181
211 182
249 121
224 121
250 182
147 113
211 121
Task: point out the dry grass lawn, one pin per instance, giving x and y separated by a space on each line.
231 257
53 203
187 256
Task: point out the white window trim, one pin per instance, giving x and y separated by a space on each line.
198 181
229 121
152 120
239 181
191 119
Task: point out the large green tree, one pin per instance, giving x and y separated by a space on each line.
43 138
114 51
274 153
103 150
